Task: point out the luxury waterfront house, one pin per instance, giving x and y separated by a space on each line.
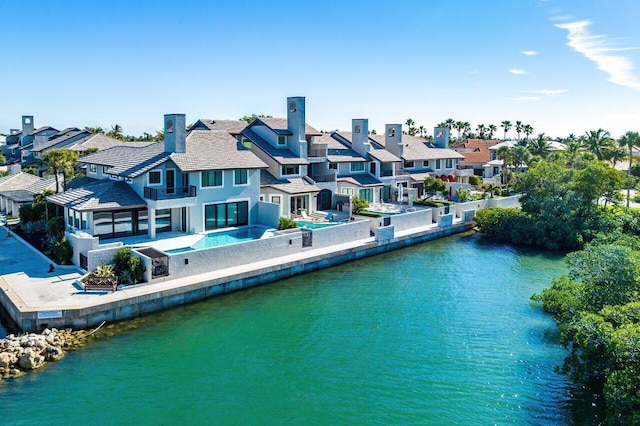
194 183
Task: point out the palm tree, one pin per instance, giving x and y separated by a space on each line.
459 125
630 139
506 125
410 124
540 146
481 129
421 130
597 142
449 122
116 132
95 129
504 154
519 128
527 129
492 129
466 127
520 157
61 161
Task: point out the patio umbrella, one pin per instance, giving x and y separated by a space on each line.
450 193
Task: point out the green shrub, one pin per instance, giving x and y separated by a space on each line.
433 185
463 195
474 180
368 214
636 198
31 212
104 271
62 252
359 204
55 227
286 223
121 260
135 272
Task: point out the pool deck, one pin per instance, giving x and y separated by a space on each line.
36 298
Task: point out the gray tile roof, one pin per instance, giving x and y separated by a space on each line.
104 195
339 149
364 179
417 149
20 180
420 176
18 195
81 182
377 151
98 141
26 193
280 124
61 138
212 150
42 129
233 127
288 185
205 150
281 155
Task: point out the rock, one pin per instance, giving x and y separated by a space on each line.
46 332
53 353
31 360
7 359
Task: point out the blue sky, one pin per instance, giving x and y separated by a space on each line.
563 66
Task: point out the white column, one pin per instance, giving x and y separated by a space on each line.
151 219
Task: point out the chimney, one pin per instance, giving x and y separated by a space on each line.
360 136
27 128
393 139
175 133
441 137
296 124
15 168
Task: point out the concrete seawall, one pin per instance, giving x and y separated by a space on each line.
149 298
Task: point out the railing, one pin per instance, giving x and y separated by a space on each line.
325 178
459 167
386 173
318 152
402 172
169 193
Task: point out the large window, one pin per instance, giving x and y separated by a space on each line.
366 194
93 168
122 223
226 214
357 167
290 170
438 165
240 177
155 177
211 178
77 219
163 220
347 191
449 163
408 164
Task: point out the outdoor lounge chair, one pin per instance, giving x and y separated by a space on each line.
305 216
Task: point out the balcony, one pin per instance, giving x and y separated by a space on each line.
463 171
325 178
169 193
318 150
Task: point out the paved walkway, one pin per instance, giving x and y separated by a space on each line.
24 276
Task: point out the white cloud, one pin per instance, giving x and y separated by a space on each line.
529 52
524 99
517 71
598 49
561 18
548 92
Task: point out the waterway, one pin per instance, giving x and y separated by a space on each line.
441 333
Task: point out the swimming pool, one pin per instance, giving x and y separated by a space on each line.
313 225
223 238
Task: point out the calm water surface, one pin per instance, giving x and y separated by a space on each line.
442 333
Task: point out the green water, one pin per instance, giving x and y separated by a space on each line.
442 333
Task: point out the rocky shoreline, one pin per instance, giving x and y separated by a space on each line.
31 351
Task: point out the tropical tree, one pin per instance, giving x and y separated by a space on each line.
528 130
410 123
492 129
449 122
540 146
2 158
597 142
95 129
466 127
481 130
519 128
159 135
504 154
630 139
520 157
61 161
506 125
116 132
459 126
